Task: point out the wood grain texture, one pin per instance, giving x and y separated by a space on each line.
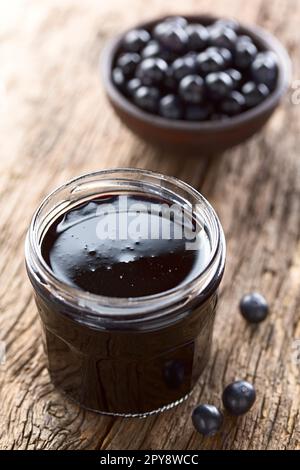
54 124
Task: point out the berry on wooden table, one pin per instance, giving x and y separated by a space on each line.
207 419
239 397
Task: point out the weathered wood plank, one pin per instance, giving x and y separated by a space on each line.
55 123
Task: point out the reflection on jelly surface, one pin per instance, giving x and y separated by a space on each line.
124 247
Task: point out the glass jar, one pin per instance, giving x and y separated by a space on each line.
126 356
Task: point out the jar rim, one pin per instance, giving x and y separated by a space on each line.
118 307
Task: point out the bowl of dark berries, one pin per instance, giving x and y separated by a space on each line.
195 82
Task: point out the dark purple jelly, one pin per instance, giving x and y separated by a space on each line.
126 293
114 264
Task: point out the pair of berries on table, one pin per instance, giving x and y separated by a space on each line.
238 398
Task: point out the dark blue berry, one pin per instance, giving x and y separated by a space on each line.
191 89
207 419
183 66
152 71
234 104
254 307
152 49
132 85
198 112
235 75
219 84
118 77
218 117
222 36
239 397
245 38
135 40
197 37
264 69
178 20
147 98
245 53
254 94
174 372
210 61
193 55
128 62
161 28
171 36
225 53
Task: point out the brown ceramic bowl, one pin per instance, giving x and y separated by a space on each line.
203 137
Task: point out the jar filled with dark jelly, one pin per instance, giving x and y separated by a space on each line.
125 265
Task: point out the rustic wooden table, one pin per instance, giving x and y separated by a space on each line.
55 123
